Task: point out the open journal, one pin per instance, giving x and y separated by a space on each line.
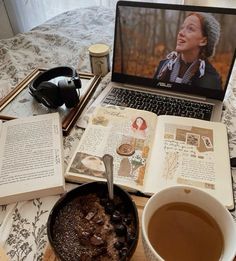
152 152
31 159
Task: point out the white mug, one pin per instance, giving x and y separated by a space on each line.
200 199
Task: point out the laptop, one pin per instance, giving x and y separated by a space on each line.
171 59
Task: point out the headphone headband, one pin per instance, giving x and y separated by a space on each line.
53 73
54 95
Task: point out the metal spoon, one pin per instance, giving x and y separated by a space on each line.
108 162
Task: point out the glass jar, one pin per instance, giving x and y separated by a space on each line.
99 59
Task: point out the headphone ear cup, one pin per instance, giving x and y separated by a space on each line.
68 93
49 94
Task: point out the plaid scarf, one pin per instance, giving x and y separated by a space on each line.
173 65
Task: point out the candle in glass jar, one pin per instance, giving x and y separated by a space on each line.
99 59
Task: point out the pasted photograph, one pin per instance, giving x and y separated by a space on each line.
88 165
193 139
201 138
131 154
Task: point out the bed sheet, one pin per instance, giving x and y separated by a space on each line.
63 40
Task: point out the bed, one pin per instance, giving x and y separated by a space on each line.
63 40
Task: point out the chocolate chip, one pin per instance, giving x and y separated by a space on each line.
90 215
98 220
108 228
96 240
86 234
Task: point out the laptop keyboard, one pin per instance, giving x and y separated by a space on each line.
158 104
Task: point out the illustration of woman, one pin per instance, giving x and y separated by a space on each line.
189 63
139 127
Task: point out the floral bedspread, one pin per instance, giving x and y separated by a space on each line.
63 40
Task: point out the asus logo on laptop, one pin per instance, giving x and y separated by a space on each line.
164 84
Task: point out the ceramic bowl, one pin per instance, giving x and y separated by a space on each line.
71 237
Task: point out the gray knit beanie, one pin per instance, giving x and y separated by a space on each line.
212 29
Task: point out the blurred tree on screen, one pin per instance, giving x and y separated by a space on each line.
145 36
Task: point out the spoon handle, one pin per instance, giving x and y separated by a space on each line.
108 162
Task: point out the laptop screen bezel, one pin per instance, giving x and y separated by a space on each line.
175 87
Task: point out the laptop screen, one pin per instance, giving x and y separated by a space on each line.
175 47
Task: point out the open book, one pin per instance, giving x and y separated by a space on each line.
31 159
152 152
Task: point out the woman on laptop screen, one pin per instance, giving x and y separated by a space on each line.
189 64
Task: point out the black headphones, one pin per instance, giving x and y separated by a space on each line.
52 95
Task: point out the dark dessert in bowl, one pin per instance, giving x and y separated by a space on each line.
85 225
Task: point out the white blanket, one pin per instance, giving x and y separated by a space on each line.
64 40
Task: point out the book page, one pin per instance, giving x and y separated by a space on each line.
31 154
124 133
191 152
